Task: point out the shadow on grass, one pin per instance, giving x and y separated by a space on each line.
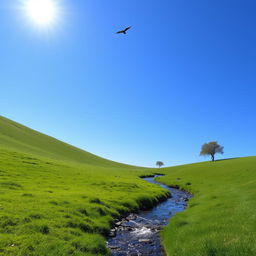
226 159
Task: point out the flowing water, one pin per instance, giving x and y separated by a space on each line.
138 234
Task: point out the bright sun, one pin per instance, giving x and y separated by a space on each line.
41 12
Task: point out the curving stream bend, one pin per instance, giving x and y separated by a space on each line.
138 234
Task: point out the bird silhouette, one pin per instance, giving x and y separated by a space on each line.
123 31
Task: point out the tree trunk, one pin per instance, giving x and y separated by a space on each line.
212 157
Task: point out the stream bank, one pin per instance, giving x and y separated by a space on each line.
138 234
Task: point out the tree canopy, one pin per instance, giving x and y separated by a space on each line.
159 163
211 148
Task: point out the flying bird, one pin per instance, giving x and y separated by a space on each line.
123 31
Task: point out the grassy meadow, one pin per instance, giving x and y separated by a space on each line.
59 200
221 217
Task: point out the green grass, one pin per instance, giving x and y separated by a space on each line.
221 218
58 200
17 137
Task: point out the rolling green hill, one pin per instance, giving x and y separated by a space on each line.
20 138
221 217
58 200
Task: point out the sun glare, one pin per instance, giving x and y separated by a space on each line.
42 12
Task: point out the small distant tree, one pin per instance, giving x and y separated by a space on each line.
211 149
159 163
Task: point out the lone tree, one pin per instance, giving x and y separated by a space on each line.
159 163
211 149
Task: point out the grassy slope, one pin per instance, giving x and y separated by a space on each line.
221 218
58 200
17 137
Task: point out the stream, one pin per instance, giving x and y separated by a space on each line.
138 234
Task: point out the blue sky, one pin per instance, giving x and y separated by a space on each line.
183 75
